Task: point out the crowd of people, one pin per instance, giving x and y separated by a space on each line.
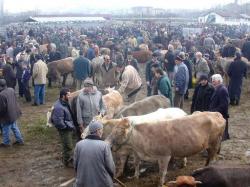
170 74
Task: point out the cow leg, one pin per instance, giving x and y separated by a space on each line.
121 160
64 80
185 162
163 168
137 166
50 83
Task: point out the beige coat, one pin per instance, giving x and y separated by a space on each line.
40 71
130 80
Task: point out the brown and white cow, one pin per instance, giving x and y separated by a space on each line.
161 140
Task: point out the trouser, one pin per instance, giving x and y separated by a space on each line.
171 76
79 84
39 93
20 87
149 90
66 137
6 133
226 133
178 100
26 91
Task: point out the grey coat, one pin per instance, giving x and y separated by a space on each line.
88 106
93 163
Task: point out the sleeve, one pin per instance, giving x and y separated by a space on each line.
180 77
76 156
58 118
102 106
124 82
205 67
147 71
109 162
88 69
79 111
35 71
3 104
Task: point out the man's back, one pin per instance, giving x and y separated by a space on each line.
81 68
93 163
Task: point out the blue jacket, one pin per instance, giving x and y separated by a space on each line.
81 68
61 116
181 78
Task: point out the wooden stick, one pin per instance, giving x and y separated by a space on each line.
67 182
119 182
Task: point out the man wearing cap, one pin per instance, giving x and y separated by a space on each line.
149 73
181 79
131 61
93 161
9 113
201 66
89 104
61 118
202 95
130 81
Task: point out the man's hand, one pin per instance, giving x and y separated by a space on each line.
81 128
148 83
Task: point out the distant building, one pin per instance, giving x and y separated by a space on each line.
224 18
143 11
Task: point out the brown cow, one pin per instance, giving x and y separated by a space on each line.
60 67
182 137
142 56
184 181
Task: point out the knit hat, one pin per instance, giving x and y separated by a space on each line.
94 126
88 82
179 58
203 77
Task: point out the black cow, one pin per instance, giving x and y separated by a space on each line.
223 176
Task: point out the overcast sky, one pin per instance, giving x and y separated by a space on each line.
67 5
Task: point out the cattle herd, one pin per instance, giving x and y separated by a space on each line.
148 129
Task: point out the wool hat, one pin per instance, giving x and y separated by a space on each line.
203 77
94 126
179 58
88 82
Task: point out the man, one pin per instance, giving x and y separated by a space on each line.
81 69
181 79
202 95
9 113
149 73
39 74
93 161
130 81
246 49
131 61
8 73
163 84
19 72
236 71
61 118
89 104
220 100
201 66
108 73
170 62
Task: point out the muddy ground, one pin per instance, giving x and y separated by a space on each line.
38 162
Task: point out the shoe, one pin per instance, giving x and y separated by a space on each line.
2 145
18 143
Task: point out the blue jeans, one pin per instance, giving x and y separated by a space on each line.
6 133
39 93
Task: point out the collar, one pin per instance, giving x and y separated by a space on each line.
93 137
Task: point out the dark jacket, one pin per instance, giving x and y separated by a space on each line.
9 108
133 63
189 66
149 73
201 98
9 76
219 101
81 68
246 50
61 116
170 57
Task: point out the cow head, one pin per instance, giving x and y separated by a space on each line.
119 134
184 181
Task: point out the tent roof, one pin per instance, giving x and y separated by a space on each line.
64 19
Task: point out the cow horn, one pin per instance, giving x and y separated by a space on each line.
172 182
198 182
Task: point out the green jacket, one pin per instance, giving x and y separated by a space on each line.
164 87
